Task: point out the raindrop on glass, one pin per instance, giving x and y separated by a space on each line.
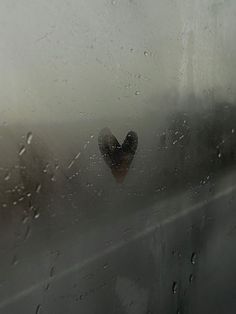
22 150
191 278
27 233
77 156
174 287
194 258
53 179
52 271
36 214
25 217
38 188
15 261
71 164
38 309
29 138
7 176
137 93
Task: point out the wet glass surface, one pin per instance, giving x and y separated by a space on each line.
118 153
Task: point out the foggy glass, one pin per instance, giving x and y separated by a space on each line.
118 152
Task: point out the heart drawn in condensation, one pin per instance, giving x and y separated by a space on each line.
118 157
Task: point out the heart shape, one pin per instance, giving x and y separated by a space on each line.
118 157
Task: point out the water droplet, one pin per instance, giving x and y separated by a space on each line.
27 233
128 86
137 93
25 219
52 271
89 185
38 309
22 150
7 176
105 266
77 156
53 179
15 260
194 258
71 164
146 53
219 155
191 278
174 287
4 205
29 138
36 214
38 188
232 130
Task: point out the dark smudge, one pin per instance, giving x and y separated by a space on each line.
118 157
